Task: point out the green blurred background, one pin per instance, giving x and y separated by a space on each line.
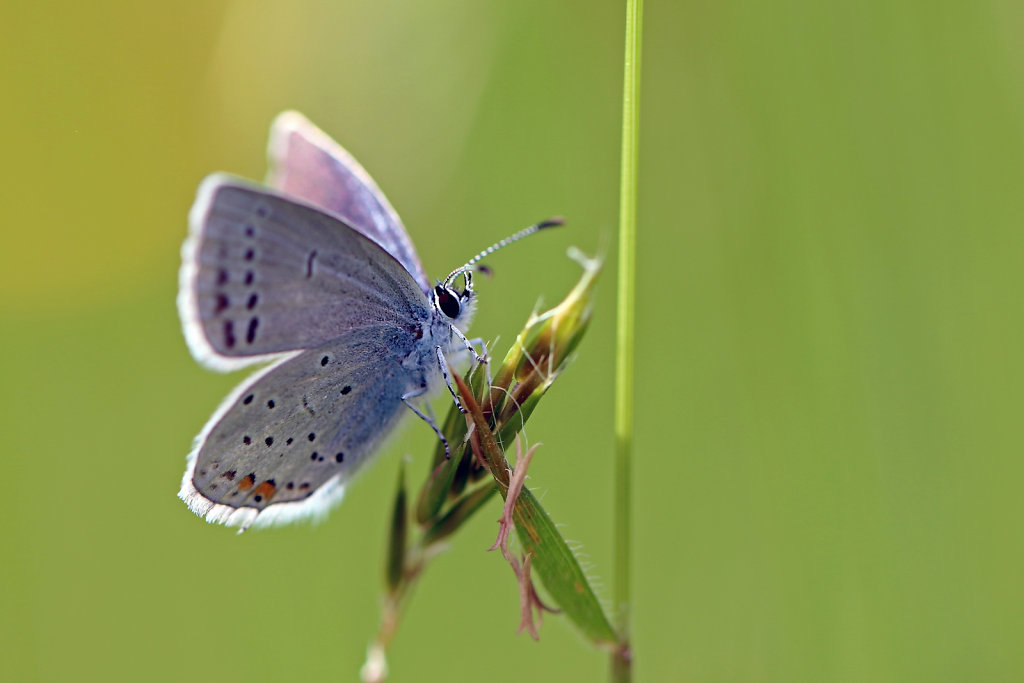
828 461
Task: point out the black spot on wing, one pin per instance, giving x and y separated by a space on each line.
250 334
229 334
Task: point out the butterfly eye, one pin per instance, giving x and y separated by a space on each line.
447 302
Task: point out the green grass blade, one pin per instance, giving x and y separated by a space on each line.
552 559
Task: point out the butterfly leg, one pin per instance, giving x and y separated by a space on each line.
422 416
442 363
487 366
478 358
469 345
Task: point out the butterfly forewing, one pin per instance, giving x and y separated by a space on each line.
263 275
306 163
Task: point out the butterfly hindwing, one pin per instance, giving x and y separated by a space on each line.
285 443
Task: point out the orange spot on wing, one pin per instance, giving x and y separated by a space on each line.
266 489
247 482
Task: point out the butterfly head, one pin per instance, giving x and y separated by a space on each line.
454 304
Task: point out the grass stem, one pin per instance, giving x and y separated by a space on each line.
621 663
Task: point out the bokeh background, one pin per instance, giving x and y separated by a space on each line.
828 461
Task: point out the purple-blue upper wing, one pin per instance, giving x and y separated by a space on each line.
306 163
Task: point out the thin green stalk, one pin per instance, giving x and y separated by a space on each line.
621 662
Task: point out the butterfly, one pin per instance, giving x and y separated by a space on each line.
315 274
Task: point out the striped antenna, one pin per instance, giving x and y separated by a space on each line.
468 268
